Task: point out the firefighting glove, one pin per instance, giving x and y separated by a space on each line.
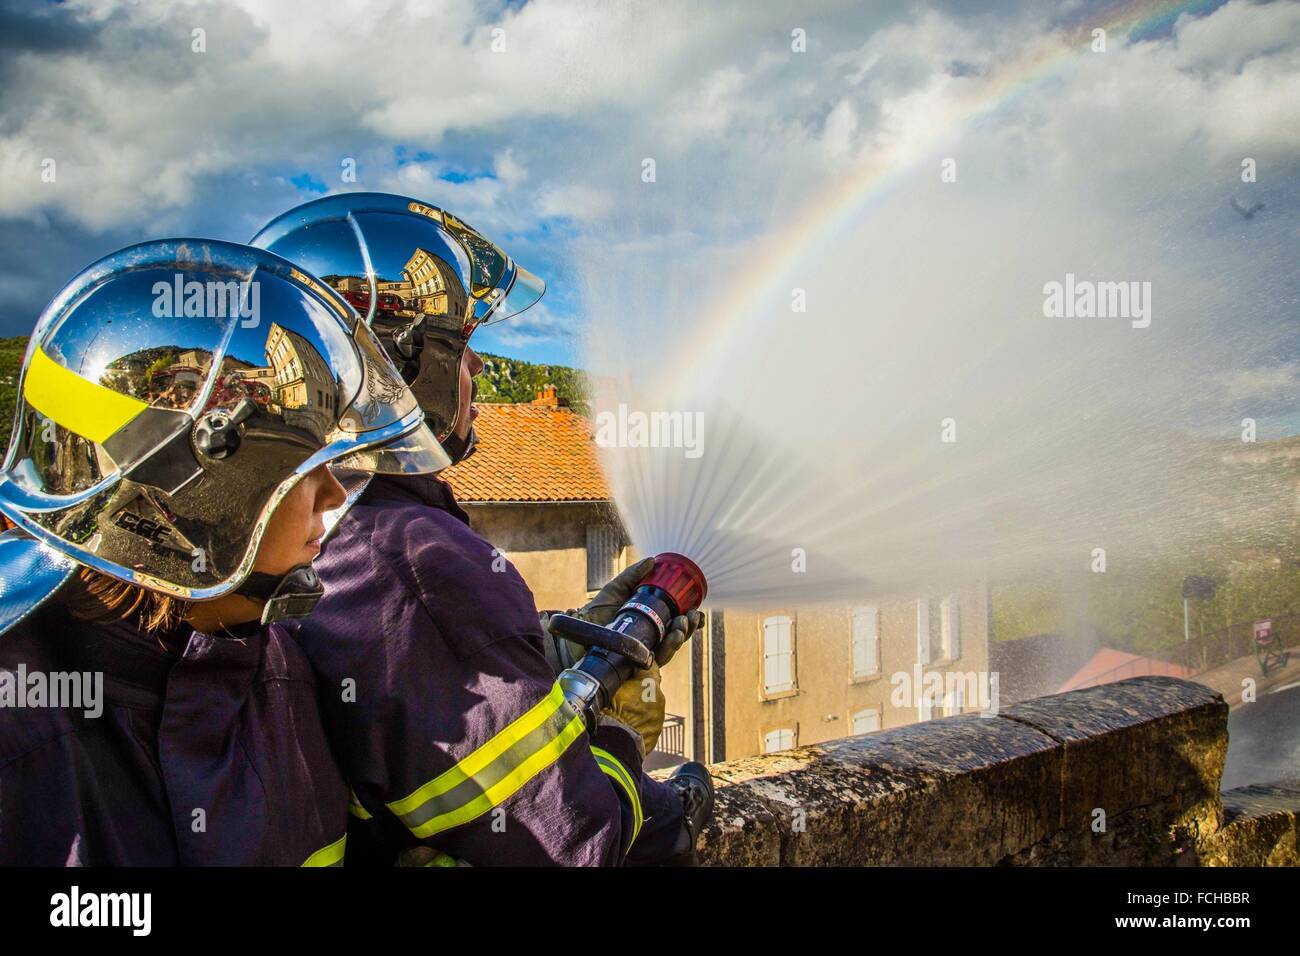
602 608
638 704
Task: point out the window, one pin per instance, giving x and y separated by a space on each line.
929 630
603 546
866 721
775 740
866 641
925 709
778 654
951 627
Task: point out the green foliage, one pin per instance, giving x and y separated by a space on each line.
1142 611
1023 609
512 380
11 361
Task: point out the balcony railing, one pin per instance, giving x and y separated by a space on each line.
1208 651
673 739
1204 652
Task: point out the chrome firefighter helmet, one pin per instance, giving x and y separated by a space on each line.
422 279
172 394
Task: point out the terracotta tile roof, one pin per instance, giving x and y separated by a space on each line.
1109 664
536 451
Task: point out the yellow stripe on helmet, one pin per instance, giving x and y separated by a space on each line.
87 408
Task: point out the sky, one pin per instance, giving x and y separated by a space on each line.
533 122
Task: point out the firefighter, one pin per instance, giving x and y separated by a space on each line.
437 689
154 710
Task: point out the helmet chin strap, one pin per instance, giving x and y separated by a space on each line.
457 448
289 595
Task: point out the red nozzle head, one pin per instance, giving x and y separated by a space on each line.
680 578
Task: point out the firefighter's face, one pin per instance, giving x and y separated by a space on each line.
470 366
292 538
293 535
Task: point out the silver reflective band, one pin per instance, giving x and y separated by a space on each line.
495 770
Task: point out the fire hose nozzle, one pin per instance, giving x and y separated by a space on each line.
675 586
680 578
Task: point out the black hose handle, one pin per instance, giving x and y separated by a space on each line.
593 635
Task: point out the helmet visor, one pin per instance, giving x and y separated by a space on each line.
521 295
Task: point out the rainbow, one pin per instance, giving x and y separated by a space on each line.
828 216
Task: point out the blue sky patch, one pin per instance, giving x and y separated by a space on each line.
308 183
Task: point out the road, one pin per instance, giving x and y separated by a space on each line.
1264 739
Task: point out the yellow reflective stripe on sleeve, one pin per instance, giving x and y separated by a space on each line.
356 809
495 770
331 855
79 405
615 769
484 755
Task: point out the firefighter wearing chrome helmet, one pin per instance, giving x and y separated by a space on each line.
422 279
181 406
458 740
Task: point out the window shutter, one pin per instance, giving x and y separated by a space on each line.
866 640
866 721
603 546
953 626
770 660
778 653
923 630
775 740
784 649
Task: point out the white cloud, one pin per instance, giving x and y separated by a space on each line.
841 125
575 201
1266 385
1237 33
147 133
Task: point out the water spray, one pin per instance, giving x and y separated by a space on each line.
674 587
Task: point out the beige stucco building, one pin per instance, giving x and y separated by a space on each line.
754 680
784 677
